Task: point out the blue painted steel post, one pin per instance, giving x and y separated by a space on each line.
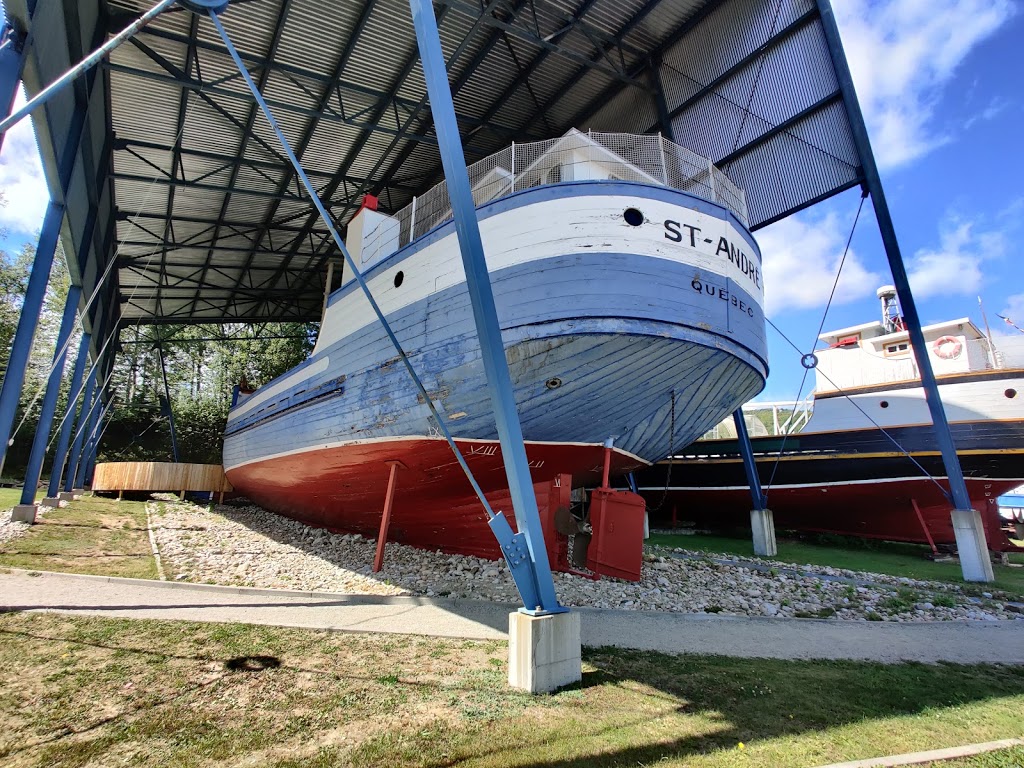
75 457
90 434
60 455
762 523
10 392
170 408
478 282
970 534
513 545
102 423
49 406
749 465
12 59
84 65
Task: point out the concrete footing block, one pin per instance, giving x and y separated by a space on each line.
544 652
971 546
77 493
762 523
24 513
50 502
66 496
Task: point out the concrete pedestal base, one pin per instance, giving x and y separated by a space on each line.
762 523
971 545
24 513
66 496
49 502
544 651
77 493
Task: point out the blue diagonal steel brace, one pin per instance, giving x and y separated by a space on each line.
75 457
86 64
534 596
975 564
31 306
535 579
353 269
60 455
749 465
49 406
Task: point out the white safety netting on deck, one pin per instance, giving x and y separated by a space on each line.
576 156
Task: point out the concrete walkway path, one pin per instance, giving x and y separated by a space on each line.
960 642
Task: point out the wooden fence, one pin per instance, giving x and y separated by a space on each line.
160 476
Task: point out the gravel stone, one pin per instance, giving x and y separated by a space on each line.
244 545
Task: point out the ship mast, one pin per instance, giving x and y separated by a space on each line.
892 316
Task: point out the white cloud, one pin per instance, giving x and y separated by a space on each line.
801 256
995 108
901 53
21 179
955 267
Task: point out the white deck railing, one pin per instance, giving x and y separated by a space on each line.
574 157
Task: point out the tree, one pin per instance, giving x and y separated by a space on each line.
201 376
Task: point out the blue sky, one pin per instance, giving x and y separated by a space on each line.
940 85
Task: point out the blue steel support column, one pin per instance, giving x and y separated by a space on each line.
12 59
49 406
10 392
60 455
513 545
90 434
75 457
84 65
970 535
762 524
101 427
485 314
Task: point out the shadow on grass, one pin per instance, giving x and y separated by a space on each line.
631 708
755 700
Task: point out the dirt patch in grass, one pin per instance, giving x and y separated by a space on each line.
92 536
82 691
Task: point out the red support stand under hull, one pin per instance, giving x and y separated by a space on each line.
343 488
878 510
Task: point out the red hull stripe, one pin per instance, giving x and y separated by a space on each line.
343 488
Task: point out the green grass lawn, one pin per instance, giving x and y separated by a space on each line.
10 497
93 536
876 557
77 691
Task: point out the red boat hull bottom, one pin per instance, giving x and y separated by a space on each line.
343 488
878 510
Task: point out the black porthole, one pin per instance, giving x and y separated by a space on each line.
553 383
633 217
1010 393
399 277
884 403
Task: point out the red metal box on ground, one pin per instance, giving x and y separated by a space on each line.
617 547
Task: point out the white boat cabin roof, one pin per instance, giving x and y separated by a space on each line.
876 331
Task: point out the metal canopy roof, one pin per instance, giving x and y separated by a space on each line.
182 206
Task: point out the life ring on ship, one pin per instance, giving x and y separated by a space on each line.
947 347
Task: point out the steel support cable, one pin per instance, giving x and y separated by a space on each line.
85 64
80 318
356 274
877 426
814 341
753 87
69 410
